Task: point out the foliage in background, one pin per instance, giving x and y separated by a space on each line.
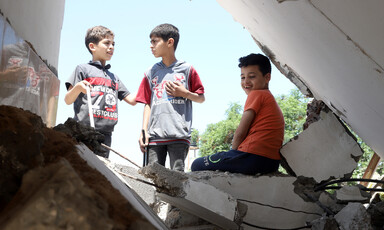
218 137
195 137
294 108
364 159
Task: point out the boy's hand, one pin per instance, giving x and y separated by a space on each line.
82 86
142 144
176 89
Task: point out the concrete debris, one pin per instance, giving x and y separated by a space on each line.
145 191
25 145
376 212
186 193
354 217
266 196
177 218
325 150
313 112
350 193
325 223
330 201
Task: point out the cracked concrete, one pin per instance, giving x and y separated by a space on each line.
201 199
326 145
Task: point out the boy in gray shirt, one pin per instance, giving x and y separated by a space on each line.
167 90
105 86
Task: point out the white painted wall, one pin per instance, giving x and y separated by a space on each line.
335 47
38 22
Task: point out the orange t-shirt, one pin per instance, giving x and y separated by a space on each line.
266 134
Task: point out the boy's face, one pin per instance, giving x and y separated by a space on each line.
103 51
253 79
159 47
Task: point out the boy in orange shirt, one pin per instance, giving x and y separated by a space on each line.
260 134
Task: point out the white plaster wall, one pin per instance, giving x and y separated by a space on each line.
323 151
336 49
266 191
38 22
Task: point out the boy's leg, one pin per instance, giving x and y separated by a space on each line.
177 154
236 162
157 153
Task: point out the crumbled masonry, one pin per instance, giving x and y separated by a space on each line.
27 146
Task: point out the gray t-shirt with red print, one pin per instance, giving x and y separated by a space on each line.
106 89
171 117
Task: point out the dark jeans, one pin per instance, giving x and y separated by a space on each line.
177 154
235 161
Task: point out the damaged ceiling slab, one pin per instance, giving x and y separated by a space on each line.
247 200
332 50
326 149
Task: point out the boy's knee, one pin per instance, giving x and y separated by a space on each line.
198 164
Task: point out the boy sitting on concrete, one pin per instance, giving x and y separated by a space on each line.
260 134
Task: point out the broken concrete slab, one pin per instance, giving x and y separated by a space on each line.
266 196
351 193
354 217
198 198
134 199
127 173
325 150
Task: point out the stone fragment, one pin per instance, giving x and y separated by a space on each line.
325 223
354 217
351 193
325 150
377 214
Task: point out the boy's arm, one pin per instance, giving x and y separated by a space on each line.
74 91
131 99
243 128
177 89
146 114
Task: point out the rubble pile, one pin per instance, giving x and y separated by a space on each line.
45 184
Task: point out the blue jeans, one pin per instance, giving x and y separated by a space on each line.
177 154
235 161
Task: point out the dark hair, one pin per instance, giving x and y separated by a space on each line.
166 31
96 34
256 59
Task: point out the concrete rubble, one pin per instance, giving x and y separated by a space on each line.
185 193
50 181
326 145
354 217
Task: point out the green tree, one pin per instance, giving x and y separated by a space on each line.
294 109
218 136
195 137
